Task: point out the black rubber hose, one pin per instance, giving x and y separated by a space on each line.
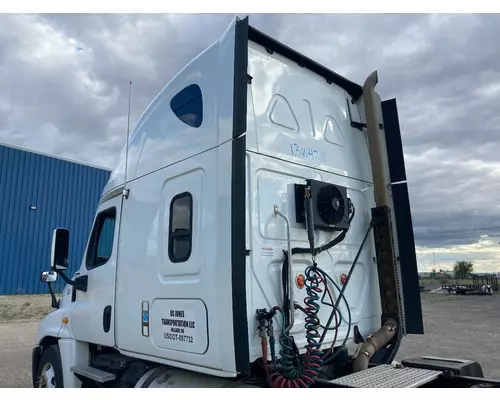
358 254
298 250
329 245
349 274
308 205
341 296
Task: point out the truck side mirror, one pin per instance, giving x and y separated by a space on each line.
60 249
48 276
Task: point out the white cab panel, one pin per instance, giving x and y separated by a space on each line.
298 117
272 185
299 128
201 284
183 325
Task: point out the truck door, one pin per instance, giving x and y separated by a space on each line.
92 318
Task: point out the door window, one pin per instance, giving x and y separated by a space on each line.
101 240
180 233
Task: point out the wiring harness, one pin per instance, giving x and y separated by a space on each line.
294 370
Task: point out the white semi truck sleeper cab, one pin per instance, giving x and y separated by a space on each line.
256 232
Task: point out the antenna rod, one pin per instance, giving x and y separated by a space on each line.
125 191
128 131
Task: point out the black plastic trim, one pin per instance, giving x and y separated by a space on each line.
394 142
273 45
240 78
402 215
238 195
81 283
468 368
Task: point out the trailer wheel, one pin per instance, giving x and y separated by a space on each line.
49 373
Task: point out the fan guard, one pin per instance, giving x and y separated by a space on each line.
331 204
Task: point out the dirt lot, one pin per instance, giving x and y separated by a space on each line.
466 327
455 326
19 318
14 308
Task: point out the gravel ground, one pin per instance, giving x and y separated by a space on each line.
459 327
455 326
13 308
19 319
16 342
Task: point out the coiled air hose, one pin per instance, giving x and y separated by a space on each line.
292 374
294 371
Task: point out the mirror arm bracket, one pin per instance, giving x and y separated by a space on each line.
65 278
80 282
55 302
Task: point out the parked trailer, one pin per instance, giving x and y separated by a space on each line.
486 279
468 289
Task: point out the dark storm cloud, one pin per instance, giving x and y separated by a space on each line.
448 238
64 82
66 76
453 196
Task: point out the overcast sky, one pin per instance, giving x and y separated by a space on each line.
64 82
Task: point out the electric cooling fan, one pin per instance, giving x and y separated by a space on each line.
330 205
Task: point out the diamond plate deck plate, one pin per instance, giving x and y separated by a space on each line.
386 376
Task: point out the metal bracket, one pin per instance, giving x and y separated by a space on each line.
361 125
358 338
355 124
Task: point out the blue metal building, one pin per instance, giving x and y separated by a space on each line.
39 193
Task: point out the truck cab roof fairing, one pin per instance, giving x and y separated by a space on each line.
137 138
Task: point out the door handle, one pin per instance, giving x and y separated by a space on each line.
106 319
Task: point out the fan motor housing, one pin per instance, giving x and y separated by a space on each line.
330 205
